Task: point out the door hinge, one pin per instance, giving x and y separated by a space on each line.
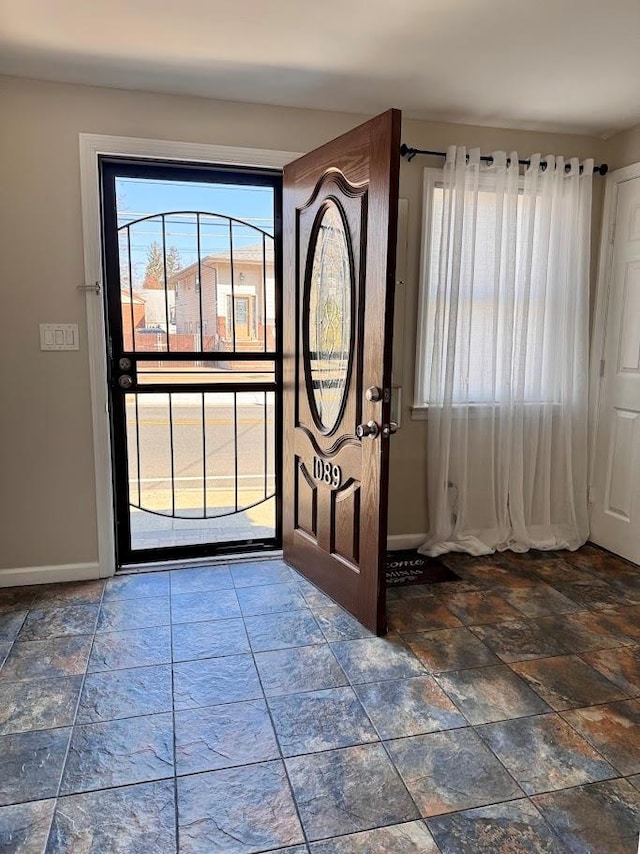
95 287
601 367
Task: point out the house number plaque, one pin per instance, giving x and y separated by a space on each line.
327 472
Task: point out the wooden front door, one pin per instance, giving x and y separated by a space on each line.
339 237
242 318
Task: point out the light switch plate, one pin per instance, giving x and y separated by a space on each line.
59 336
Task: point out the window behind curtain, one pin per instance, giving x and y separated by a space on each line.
510 331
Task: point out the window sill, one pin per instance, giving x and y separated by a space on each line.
421 412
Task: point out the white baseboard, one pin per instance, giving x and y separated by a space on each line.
397 542
49 574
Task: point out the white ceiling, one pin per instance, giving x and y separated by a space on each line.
569 65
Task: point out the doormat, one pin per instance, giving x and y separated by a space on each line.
409 567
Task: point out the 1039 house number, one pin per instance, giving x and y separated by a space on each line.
327 472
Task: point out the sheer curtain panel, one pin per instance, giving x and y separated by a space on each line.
503 364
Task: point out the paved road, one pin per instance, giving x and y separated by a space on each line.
218 450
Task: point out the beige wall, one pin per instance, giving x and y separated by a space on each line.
46 469
623 149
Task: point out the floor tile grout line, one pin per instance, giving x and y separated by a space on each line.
502 765
581 610
476 728
12 640
79 724
277 740
614 778
88 672
595 669
553 832
522 797
494 753
56 797
549 711
173 720
516 661
587 739
74 725
394 678
387 680
420 820
517 717
317 622
564 849
377 740
414 801
6 658
604 675
91 791
63 767
509 665
431 674
353 686
65 634
621 647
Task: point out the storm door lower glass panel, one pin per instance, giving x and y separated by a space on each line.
201 467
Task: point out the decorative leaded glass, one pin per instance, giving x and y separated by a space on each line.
329 318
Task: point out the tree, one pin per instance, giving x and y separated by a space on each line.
154 273
174 262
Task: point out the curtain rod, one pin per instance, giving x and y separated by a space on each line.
410 153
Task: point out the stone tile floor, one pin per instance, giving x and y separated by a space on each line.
237 709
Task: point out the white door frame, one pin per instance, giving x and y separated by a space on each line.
603 293
91 146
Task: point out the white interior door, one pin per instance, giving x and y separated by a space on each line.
615 492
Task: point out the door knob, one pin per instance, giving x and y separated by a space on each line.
125 381
369 429
389 429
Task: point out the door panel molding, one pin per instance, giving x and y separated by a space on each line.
91 146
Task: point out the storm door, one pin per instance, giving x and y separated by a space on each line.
192 275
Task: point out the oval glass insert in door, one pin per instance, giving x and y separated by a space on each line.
329 306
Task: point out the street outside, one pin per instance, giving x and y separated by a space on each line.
151 488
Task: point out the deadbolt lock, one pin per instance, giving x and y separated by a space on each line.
125 381
124 363
373 393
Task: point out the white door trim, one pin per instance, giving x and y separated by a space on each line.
603 290
91 146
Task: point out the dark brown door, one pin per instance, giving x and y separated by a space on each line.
339 236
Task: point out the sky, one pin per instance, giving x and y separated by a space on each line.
138 197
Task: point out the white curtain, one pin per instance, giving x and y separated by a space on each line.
506 367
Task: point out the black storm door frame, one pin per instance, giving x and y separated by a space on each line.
125 364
